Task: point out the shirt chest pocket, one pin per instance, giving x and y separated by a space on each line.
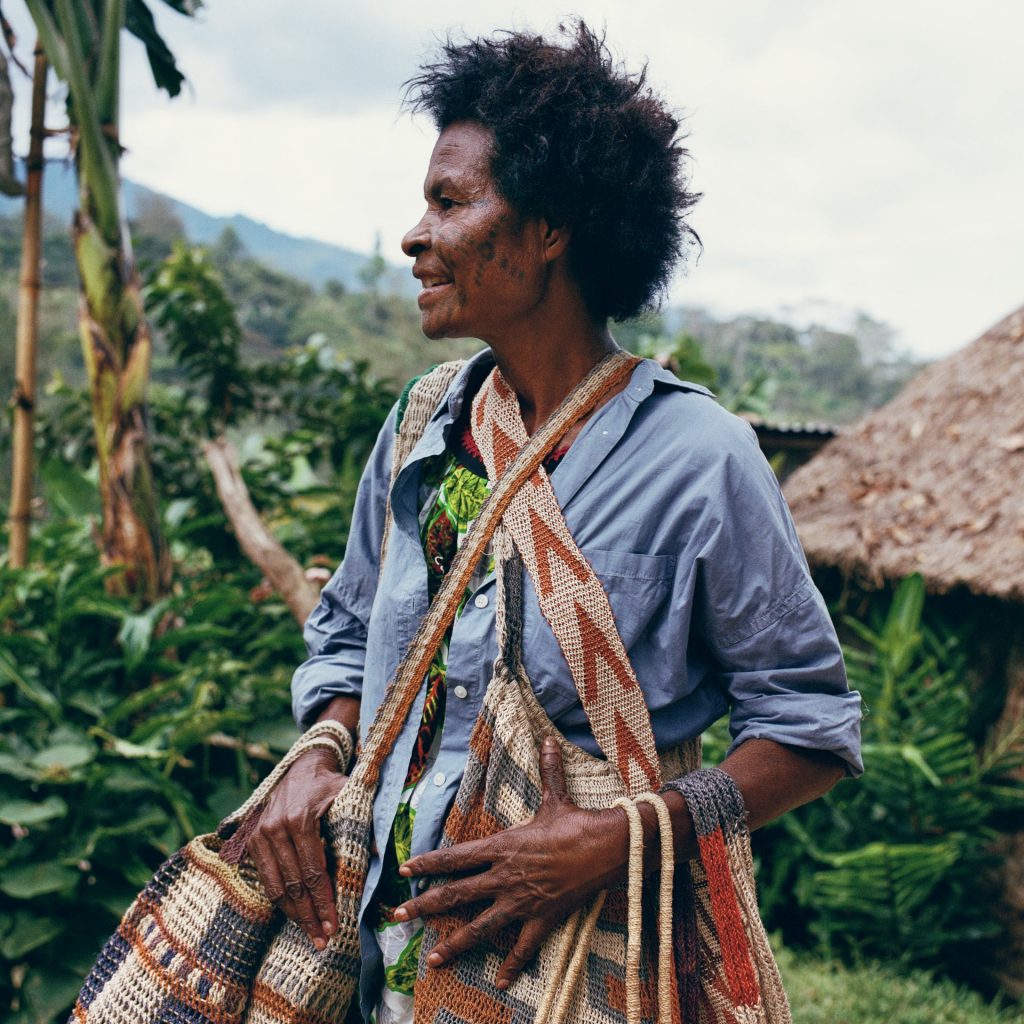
638 587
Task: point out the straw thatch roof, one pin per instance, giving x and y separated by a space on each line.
933 482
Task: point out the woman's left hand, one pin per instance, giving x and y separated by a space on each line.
537 873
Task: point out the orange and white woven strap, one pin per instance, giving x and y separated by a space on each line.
408 679
570 594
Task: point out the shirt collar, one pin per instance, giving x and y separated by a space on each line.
450 409
646 377
661 375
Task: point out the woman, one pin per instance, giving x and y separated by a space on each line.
555 200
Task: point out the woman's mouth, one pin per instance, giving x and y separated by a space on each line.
432 286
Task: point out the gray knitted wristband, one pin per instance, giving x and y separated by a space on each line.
713 800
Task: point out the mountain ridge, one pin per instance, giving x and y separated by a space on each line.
309 259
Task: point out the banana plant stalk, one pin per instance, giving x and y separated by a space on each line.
28 324
83 43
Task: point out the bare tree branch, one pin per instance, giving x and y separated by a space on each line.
260 545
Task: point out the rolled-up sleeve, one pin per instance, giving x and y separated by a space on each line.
765 622
335 632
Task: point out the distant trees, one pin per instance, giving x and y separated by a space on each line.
155 227
819 373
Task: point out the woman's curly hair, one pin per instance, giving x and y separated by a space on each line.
581 142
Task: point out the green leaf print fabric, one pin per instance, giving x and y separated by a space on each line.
451 497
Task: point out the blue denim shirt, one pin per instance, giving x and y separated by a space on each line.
673 504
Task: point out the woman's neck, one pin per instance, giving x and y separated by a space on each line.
544 369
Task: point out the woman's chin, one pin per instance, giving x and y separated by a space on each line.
437 327
434 330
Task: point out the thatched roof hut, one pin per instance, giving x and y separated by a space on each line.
933 482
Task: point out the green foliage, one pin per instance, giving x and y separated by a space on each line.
827 992
894 864
187 303
684 356
139 22
803 374
121 735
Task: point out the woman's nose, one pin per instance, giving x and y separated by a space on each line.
417 238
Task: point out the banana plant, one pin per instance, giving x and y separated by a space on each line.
82 39
899 864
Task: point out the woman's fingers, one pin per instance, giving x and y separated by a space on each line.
295 889
266 865
482 927
313 865
440 899
450 860
288 851
531 938
552 771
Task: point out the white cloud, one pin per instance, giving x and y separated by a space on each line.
867 154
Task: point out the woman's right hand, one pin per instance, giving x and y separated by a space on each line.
287 847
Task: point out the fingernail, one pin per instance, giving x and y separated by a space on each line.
319 943
401 914
502 983
327 928
405 871
550 743
434 960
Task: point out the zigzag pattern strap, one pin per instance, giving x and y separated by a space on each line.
518 469
570 594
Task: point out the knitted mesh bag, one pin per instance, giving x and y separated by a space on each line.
202 944
713 963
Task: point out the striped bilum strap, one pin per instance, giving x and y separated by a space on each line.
517 473
720 821
570 594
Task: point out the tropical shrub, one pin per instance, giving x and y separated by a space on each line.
894 864
122 734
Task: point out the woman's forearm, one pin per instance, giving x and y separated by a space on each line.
773 779
344 710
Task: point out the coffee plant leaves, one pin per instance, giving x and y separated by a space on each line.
28 812
26 881
25 932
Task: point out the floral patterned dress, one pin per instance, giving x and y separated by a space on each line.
453 488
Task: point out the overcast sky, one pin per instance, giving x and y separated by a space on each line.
867 155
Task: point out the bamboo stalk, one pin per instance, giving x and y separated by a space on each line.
28 323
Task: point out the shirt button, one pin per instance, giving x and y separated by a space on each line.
461 692
439 779
480 600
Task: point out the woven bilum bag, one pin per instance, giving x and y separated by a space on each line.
713 963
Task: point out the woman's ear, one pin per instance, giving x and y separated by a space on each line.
554 239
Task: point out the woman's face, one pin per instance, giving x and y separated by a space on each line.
480 263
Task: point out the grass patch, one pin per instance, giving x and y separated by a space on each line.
824 992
